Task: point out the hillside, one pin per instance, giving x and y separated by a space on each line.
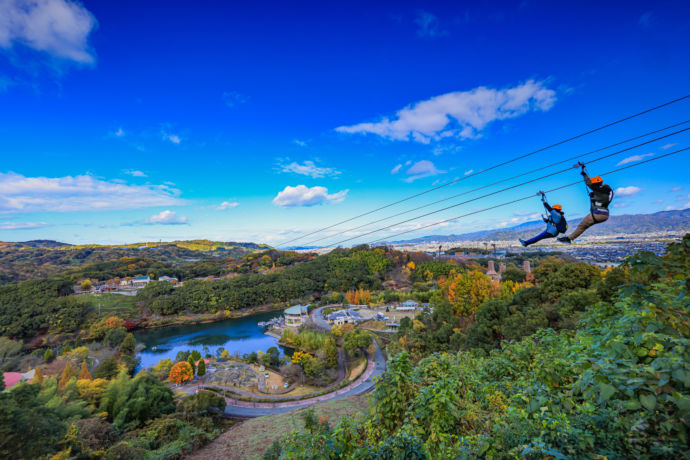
663 221
42 258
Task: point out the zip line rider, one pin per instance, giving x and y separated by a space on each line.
555 222
600 197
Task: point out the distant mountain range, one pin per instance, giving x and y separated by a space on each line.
663 221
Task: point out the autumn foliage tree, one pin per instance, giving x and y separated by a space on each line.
466 291
358 297
100 328
181 372
84 373
67 375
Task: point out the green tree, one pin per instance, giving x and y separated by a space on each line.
114 337
201 369
393 393
107 369
128 344
131 402
48 355
192 363
330 351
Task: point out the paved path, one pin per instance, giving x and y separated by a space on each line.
365 382
318 319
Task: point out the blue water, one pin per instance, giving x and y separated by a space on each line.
238 335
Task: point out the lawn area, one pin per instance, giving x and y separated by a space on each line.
250 439
112 304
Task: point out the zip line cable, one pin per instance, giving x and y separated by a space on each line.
586 133
525 198
514 177
493 193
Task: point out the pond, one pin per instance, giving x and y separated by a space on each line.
237 335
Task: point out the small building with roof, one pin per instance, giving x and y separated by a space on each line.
141 281
296 315
408 305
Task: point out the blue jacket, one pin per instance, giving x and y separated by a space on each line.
555 218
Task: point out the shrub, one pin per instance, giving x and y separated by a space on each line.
181 372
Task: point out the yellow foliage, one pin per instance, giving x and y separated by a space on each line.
300 357
91 391
411 265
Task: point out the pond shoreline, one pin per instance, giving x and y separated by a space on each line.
204 318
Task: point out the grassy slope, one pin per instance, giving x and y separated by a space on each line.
250 439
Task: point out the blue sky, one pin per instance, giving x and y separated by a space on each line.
257 121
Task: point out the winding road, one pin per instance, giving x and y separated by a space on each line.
363 384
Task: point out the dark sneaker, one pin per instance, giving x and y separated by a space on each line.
565 239
522 242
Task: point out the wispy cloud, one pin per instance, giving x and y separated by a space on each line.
299 142
233 98
634 158
302 195
119 133
396 169
174 138
421 169
468 172
19 193
461 114
308 168
675 189
428 25
135 173
668 146
60 28
166 217
225 205
627 191
22 225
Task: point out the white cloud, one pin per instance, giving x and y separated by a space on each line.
225 205
462 114
166 217
174 138
627 191
60 28
428 25
22 225
233 98
634 158
683 198
78 193
620 204
119 133
308 168
135 173
675 189
677 208
668 146
421 169
302 195
396 169
468 172
299 142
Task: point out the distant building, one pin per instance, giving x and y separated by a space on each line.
13 378
169 279
141 281
492 273
408 305
296 316
526 267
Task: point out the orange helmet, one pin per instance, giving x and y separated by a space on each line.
596 180
557 207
